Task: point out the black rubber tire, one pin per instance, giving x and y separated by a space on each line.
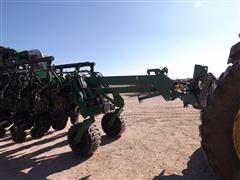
39 131
19 136
5 119
114 130
91 140
59 121
223 103
42 126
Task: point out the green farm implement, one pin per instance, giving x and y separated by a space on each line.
36 95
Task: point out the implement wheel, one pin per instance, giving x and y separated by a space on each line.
19 135
22 122
115 128
220 129
89 142
59 121
42 125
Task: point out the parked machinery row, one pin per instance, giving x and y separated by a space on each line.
36 95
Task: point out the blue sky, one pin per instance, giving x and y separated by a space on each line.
125 37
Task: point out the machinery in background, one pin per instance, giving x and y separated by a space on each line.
36 95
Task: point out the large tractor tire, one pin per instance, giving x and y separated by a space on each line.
220 129
89 142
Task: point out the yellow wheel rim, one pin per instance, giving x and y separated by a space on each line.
236 134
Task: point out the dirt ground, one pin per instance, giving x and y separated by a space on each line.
161 142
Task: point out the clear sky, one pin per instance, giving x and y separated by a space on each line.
125 37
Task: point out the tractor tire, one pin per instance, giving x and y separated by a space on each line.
218 129
114 130
59 121
90 141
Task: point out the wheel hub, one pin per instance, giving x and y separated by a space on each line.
236 134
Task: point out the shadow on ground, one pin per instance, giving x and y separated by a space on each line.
107 140
12 165
197 169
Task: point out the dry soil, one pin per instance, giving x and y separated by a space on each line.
161 142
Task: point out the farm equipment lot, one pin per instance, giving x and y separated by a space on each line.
161 141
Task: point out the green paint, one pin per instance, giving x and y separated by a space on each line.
83 128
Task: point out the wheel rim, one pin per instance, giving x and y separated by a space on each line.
236 134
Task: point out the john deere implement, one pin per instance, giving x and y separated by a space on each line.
36 95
